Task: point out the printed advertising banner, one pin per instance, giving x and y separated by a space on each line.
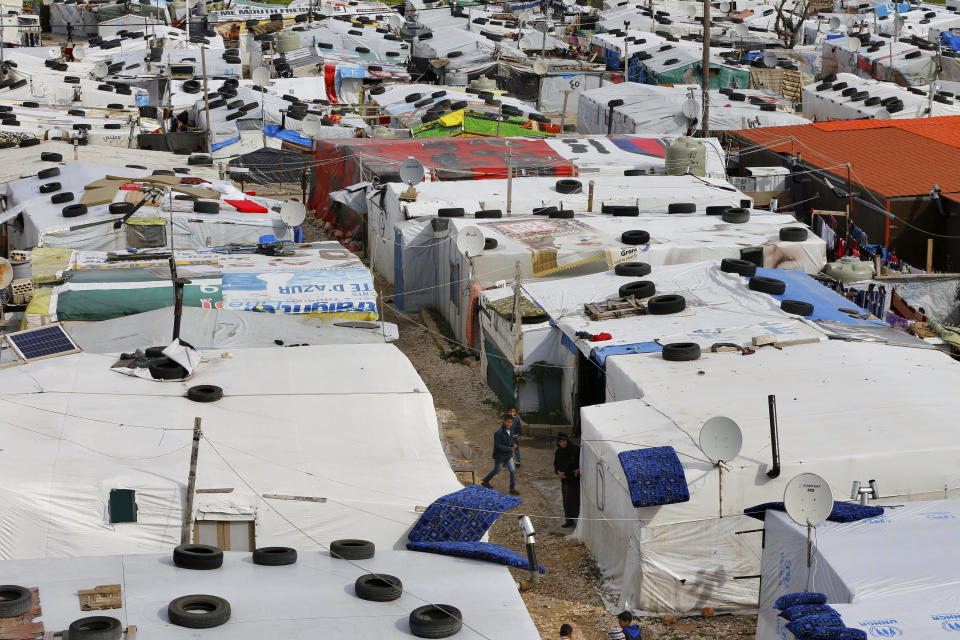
556 243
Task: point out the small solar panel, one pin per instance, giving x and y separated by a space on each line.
44 342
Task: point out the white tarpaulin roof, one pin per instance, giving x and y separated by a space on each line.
831 104
894 575
305 421
309 599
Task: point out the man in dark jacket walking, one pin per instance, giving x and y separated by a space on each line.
503 447
566 464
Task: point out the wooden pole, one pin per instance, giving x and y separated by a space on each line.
191 483
206 93
705 72
929 255
517 319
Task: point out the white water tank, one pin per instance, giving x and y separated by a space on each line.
686 152
288 41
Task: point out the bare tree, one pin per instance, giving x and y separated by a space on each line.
789 24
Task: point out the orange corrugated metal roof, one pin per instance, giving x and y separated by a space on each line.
890 157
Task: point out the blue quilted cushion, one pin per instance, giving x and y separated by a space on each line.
476 550
791 599
816 623
800 610
462 516
655 476
841 512
841 633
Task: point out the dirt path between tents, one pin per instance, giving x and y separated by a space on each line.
572 589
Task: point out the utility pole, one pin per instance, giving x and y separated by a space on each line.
626 51
509 178
705 71
517 319
191 483
206 93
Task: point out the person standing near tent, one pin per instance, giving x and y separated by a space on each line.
566 464
516 430
503 447
627 630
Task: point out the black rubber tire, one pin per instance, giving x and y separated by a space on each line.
74 210
568 186
52 172
205 206
824 85
274 556
632 269
31 105
202 557
681 207
738 266
450 212
201 160
120 208
50 187
566 214
839 85
14 600
166 369
871 102
624 211
82 127
181 611
735 215
717 210
488 213
849 91
154 352
681 351
489 244
797 307
352 549
96 628
635 236
634 172
376 91
830 78
204 393
767 285
29 142
435 621
638 289
378 587
62 197
670 303
793 234
913 54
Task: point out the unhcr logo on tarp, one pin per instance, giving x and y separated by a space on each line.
948 621
882 628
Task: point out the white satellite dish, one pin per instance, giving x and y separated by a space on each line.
689 10
691 109
79 52
470 241
770 60
725 7
53 53
411 171
854 43
720 439
808 499
834 23
260 76
882 114
292 213
100 70
741 30
6 273
312 126
540 66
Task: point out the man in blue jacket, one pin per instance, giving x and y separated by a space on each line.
626 630
503 447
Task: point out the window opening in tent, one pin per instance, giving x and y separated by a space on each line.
123 506
229 535
455 284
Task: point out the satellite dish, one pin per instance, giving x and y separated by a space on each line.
79 52
834 23
854 43
411 172
691 109
53 53
100 70
770 60
741 30
882 114
720 439
725 7
260 76
689 10
808 499
6 273
312 126
540 66
292 213
470 241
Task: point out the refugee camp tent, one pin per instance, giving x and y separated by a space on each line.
824 102
909 66
75 430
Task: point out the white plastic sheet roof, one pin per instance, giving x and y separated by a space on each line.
312 598
303 421
831 104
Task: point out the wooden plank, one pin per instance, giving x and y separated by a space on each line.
230 490
278 496
132 632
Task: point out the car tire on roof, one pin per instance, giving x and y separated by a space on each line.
52 172
274 556
450 212
206 206
767 285
205 393
632 269
681 351
435 621
95 628
378 587
120 208
14 600
793 234
29 142
738 266
735 215
488 213
635 236
797 307
349 549
627 210
167 369
681 207
638 289
568 186
202 557
670 303
74 210
198 611
562 213
489 244
60 198
50 187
